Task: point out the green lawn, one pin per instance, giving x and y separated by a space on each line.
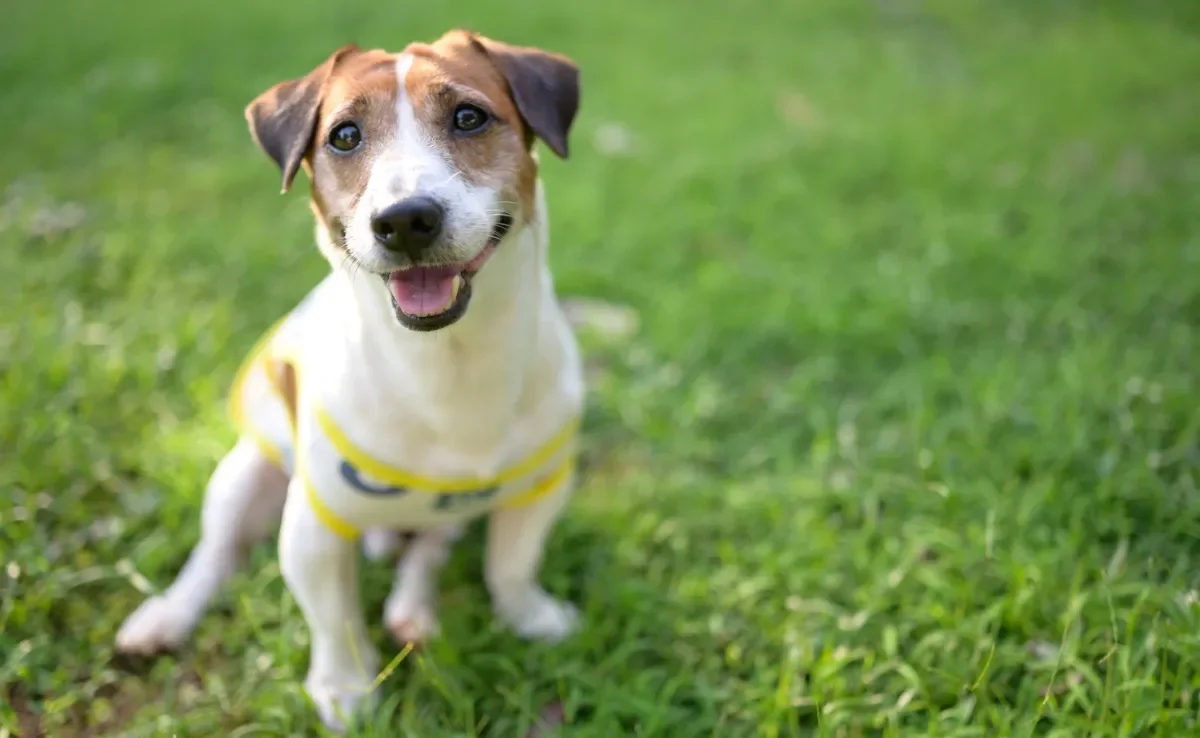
906 442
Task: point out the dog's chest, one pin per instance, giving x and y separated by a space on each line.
378 464
468 414
422 440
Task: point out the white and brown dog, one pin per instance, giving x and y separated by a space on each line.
430 378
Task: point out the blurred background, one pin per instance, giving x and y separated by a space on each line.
890 314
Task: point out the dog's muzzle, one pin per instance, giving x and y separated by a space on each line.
427 298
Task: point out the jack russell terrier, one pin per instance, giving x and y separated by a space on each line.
430 378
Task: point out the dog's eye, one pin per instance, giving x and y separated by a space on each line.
468 118
345 137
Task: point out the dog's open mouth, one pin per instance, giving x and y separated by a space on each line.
427 298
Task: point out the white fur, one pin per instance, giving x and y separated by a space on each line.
467 400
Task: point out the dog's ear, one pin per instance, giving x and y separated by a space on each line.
284 118
544 85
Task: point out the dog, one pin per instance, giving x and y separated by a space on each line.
429 379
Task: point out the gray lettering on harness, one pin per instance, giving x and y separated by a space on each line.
356 480
447 501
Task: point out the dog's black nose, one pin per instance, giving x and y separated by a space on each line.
410 226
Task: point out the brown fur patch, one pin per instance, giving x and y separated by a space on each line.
454 71
362 91
282 376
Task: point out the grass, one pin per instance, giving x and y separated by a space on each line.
906 442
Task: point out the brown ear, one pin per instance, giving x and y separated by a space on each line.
545 87
284 118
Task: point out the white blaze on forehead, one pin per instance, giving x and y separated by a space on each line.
416 164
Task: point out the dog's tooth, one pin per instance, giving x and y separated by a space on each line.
455 286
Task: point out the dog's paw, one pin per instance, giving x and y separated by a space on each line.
340 701
538 616
410 619
159 624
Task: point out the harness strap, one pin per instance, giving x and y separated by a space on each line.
386 473
261 357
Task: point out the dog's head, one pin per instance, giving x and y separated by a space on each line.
420 161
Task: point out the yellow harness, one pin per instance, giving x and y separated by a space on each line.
363 461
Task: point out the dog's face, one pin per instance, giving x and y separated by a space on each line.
420 161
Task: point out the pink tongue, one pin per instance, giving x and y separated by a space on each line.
423 290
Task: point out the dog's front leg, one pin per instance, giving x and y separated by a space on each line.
321 570
516 537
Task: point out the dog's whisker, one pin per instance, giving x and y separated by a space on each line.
446 182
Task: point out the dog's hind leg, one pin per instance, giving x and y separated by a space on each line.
410 612
242 505
380 544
